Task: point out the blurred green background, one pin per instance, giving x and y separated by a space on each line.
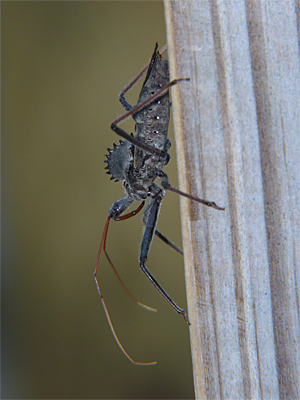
63 65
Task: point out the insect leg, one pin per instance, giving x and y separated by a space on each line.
122 99
116 206
103 246
151 214
168 242
166 185
122 218
136 142
138 107
160 235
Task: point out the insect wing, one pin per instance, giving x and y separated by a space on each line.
153 120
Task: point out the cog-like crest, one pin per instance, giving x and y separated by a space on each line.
118 160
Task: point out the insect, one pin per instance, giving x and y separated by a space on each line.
138 162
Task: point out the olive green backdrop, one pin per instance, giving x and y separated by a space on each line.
63 65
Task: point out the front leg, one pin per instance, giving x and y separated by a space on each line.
119 207
150 218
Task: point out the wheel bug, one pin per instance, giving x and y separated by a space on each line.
137 162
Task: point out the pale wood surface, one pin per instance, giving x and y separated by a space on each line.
238 144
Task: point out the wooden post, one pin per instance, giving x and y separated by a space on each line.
238 144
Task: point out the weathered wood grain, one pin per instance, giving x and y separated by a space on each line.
238 144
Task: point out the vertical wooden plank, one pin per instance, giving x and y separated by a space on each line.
221 157
275 64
